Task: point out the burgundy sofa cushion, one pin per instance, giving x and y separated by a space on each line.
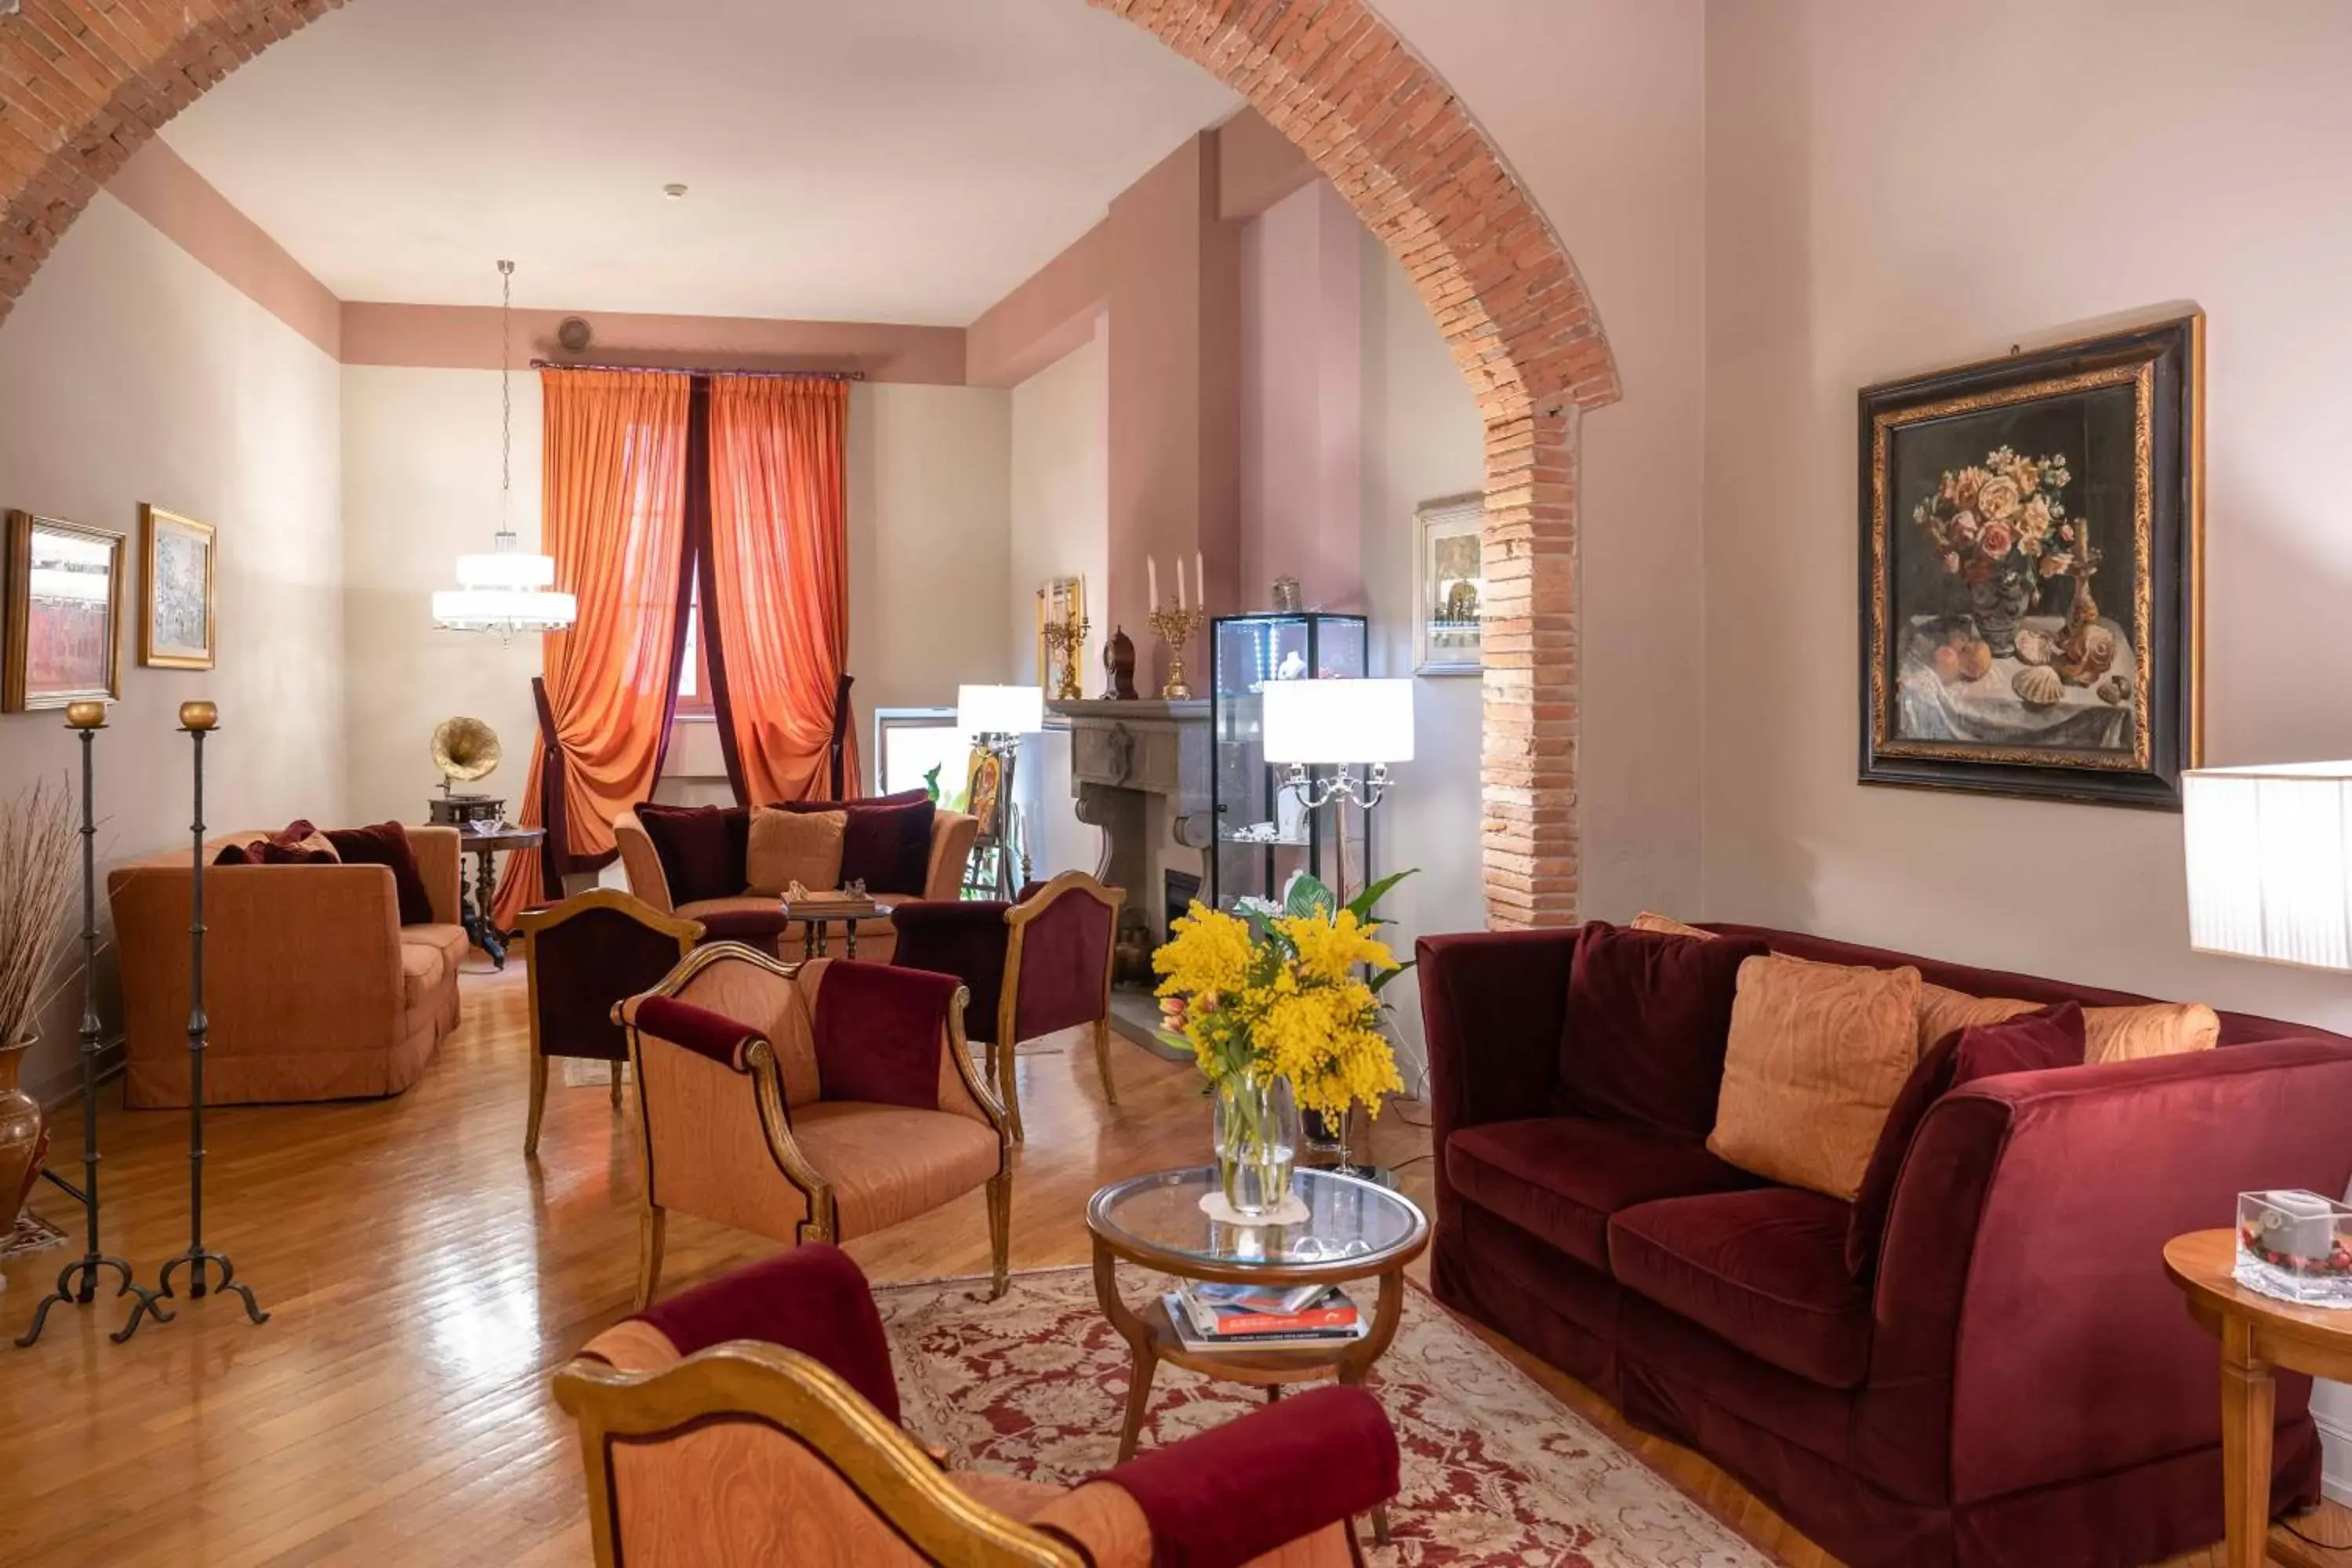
386 844
1647 1017
1241 1490
812 1299
703 849
2049 1036
760 927
885 840
1560 1178
877 1033
233 855
1764 1269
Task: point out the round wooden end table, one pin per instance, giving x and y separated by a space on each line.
486 841
1354 1229
2259 1334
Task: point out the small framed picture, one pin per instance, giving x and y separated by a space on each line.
175 599
1449 585
62 614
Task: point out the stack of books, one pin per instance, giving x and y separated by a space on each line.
1211 1318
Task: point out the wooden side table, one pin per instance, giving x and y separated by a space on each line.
485 846
2259 1334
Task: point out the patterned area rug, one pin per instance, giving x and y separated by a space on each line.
33 1234
1497 1471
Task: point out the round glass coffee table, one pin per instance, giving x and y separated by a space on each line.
1354 1229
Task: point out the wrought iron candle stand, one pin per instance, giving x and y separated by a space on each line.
196 720
1176 628
78 1281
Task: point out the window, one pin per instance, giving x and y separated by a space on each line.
693 672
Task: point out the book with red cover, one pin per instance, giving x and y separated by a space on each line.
1329 1310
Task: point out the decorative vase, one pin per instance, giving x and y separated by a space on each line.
1997 604
1256 1133
24 1136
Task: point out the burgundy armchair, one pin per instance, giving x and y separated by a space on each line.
584 956
1034 966
754 1420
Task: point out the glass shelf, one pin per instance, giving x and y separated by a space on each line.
1245 652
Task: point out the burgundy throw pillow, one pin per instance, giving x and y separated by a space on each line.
1647 1017
887 840
386 844
269 852
703 849
2046 1038
232 854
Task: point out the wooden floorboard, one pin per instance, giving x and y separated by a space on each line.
423 1281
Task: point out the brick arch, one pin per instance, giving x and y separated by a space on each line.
83 84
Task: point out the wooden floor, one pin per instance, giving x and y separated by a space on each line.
425 1280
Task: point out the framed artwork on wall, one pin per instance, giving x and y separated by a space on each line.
62 616
2031 572
175 595
1449 585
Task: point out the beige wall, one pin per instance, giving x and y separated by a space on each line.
1852 237
421 487
129 373
1060 527
1598 106
1422 442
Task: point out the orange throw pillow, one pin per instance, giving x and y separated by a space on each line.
788 846
2159 1029
1817 1055
1943 1010
1667 925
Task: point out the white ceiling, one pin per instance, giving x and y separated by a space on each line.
852 159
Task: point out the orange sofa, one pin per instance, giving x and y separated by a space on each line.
314 988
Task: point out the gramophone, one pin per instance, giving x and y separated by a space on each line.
464 749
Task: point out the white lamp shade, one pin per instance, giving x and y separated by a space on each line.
1317 722
506 569
503 610
2269 854
999 709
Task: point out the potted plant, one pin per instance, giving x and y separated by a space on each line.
1279 1004
37 835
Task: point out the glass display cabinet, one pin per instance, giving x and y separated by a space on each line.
1264 834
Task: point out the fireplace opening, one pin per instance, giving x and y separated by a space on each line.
1180 888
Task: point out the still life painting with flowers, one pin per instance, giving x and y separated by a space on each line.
2030 572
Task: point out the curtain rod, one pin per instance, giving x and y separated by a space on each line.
698 370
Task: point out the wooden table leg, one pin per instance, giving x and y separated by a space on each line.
1357 1364
2249 1405
1145 1362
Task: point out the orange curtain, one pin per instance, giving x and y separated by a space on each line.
614 513
778 580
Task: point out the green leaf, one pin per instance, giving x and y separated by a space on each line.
1362 905
1379 982
1306 898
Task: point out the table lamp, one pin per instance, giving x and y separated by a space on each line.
1338 724
2269 851
996 717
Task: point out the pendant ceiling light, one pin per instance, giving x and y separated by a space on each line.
506 591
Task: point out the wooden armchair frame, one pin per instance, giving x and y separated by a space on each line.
532 924
823 1223
797 1394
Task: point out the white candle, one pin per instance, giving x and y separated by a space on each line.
1151 566
1179 582
1200 581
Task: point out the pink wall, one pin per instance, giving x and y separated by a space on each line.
1302 400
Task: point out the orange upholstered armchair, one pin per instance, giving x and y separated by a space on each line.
754 1420
587 955
1033 967
815 1102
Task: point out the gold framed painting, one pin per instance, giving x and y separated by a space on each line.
2031 571
176 625
1449 578
62 616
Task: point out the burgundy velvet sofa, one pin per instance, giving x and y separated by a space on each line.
2014 1384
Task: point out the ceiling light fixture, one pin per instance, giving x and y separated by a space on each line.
506 591
675 192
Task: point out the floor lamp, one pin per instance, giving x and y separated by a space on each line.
1340 725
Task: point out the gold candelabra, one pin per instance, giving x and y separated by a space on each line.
1176 628
1066 640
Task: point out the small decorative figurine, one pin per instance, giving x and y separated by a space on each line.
1119 664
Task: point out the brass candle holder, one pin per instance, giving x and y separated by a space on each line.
1176 628
1066 640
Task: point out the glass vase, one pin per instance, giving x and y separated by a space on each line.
1256 1134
